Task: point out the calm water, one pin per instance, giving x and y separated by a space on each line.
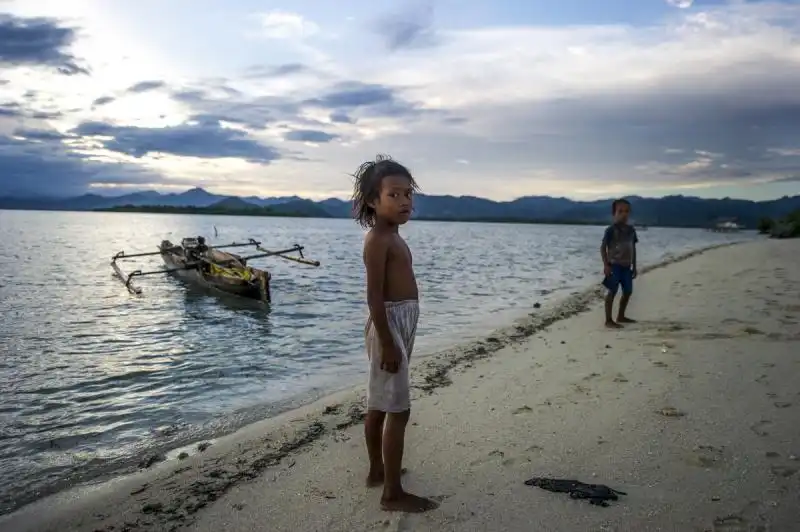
91 377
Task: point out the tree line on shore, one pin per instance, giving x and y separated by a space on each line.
786 227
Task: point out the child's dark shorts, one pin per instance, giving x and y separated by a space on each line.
620 276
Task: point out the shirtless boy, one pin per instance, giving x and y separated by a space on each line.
618 252
382 202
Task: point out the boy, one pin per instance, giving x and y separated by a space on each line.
619 261
382 202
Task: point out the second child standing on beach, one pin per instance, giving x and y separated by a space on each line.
382 202
618 251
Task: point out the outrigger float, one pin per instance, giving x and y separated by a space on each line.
196 262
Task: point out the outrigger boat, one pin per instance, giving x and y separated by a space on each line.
208 266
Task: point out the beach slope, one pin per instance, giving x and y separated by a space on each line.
693 412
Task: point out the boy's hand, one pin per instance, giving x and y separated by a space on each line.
634 272
607 270
391 358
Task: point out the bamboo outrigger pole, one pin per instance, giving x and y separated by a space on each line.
298 248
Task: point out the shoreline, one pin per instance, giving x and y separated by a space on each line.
464 220
267 442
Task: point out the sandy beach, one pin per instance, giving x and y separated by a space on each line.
693 412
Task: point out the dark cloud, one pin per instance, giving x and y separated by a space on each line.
352 94
408 29
39 134
789 179
309 135
340 117
50 169
103 100
368 99
735 116
145 86
37 42
203 140
254 113
345 102
11 110
15 110
287 69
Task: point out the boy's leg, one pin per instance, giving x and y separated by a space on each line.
609 309
376 408
395 498
373 433
612 285
626 280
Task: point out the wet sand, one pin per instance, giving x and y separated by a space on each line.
693 412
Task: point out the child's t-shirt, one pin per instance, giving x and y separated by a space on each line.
620 239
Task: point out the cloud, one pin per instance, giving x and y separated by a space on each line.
18 111
371 99
410 28
340 117
145 86
286 25
103 100
309 135
785 152
681 4
39 134
287 69
49 168
202 140
37 42
253 112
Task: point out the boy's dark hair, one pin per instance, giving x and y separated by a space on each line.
367 187
617 203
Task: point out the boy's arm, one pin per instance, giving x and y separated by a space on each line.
604 246
633 258
376 253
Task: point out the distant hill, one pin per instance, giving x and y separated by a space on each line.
675 211
231 206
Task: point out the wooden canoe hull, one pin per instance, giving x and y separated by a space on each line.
255 288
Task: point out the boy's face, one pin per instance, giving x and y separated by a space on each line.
622 213
395 200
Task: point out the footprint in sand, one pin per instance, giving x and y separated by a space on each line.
783 471
782 404
669 411
706 456
660 364
760 427
730 523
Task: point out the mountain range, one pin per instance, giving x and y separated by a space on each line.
675 211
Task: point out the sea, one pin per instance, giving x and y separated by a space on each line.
93 379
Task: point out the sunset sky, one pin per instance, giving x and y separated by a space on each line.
500 99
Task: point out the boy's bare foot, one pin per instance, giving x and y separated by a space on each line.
406 502
613 325
625 320
376 479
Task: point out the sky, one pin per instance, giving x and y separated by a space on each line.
502 99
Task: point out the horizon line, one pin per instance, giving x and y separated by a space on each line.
201 189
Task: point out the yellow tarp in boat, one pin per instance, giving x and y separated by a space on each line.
245 274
